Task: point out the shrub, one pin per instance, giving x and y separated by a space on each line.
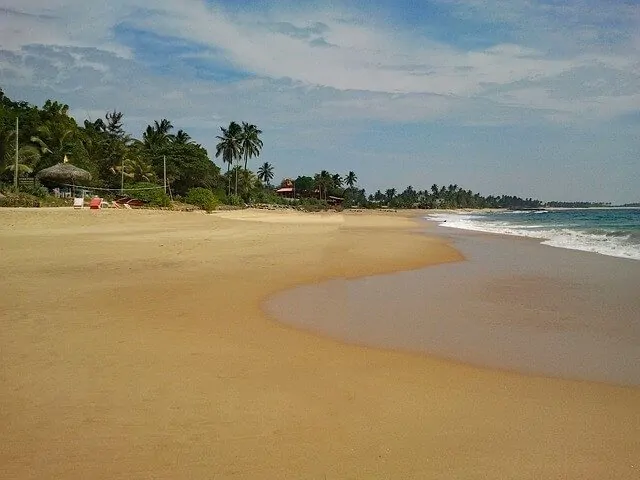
203 198
234 200
313 205
150 193
36 190
23 199
19 200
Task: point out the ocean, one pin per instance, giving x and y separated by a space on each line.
614 232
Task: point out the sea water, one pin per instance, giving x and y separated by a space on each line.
614 232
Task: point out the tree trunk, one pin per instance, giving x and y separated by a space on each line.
237 167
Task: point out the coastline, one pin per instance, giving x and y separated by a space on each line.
134 345
514 304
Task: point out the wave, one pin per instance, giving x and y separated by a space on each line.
614 243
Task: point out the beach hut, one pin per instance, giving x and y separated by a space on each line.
287 189
64 173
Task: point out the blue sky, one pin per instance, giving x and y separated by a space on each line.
527 97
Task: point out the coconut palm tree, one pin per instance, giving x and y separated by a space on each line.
230 148
53 141
250 142
136 169
265 173
337 180
323 182
351 179
28 156
182 138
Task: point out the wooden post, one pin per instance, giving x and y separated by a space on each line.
15 172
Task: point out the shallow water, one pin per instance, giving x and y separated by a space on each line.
514 304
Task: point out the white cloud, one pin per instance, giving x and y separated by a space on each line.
319 77
357 56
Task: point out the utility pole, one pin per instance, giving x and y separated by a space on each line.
164 160
122 177
15 171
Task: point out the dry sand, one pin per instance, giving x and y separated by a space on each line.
133 345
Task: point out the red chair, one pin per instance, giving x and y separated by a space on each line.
96 203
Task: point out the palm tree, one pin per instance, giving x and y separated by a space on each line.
265 173
250 142
323 182
157 135
230 148
351 179
390 193
28 156
182 138
136 169
337 180
53 143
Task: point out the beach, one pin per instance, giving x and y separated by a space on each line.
136 344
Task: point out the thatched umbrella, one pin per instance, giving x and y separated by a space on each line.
64 173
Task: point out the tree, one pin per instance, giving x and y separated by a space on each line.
351 179
265 173
230 147
53 141
337 180
114 124
250 142
182 138
323 182
304 185
28 155
138 170
390 194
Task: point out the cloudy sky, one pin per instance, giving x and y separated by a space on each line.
527 97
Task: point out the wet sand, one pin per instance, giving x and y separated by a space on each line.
514 304
133 345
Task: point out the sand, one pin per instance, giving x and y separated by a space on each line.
513 304
133 345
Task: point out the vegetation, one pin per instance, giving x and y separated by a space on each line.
203 198
576 204
119 162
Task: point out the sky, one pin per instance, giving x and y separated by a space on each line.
524 97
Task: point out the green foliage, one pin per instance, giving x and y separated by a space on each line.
266 195
265 173
19 200
150 193
234 200
313 205
304 185
203 198
36 190
23 199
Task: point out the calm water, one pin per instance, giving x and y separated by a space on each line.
614 232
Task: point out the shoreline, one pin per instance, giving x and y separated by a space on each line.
574 312
134 344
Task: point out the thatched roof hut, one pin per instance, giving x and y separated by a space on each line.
64 173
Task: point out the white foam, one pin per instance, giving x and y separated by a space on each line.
615 246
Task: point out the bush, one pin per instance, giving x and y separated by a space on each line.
235 201
37 191
203 198
313 205
19 200
150 193
23 199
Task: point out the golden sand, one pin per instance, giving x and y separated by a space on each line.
133 345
